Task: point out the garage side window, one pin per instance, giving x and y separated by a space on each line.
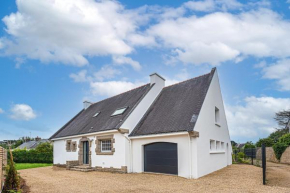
212 145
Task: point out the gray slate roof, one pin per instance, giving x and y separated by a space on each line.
32 144
84 122
177 107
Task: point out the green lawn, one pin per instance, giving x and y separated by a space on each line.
22 166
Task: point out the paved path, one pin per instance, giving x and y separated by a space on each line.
278 174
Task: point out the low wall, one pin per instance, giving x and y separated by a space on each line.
3 163
285 158
270 154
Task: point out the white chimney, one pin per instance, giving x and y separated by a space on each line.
157 79
87 104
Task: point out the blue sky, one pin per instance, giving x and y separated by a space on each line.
55 54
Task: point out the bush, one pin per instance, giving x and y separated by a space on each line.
249 145
267 141
285 139
279 148
32 156
12 181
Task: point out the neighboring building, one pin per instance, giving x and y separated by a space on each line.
180 129
32 144
240 145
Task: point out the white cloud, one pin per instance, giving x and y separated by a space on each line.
279 71
111 88
218 37
120 60
22 112
255 117
1 111
106 72
206 5
67 31
81 76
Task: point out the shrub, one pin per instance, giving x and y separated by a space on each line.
32 156
249 144
285 139
279 148
12 180
267 141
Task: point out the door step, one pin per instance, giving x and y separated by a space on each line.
82 168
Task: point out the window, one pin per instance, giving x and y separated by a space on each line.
68 145
218 145
106 145
74 146
222 145
212 145
96 114
119 111
217 116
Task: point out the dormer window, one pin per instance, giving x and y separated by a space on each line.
96 114
119 111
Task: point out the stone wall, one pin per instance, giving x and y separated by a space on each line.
123 169
285 158
70 164
270 155
3 163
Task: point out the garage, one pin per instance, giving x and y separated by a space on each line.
161 157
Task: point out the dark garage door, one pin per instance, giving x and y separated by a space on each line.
161 158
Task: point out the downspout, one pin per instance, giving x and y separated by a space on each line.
190 157
130 154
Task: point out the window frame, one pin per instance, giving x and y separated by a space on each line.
97 114
217 116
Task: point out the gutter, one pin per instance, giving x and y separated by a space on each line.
190 156
130 154
159 135
86 134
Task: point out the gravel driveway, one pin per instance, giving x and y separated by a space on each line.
235 178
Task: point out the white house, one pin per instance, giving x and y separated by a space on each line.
180 129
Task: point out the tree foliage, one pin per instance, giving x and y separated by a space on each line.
44 147
12 181
277 134
283 117
249 144
267 141
279 149
285 139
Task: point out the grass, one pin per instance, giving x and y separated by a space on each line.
22 166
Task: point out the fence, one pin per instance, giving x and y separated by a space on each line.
3 163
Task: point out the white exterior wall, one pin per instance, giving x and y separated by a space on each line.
118 159
208 162
144 105
182 148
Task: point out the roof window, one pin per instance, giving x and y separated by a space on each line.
96 114
119 111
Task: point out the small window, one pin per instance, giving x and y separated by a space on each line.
218 145
212 145
222 145
106 145
68 145
96 114
119 111
217 115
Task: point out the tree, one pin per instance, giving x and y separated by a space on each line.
233 143
277 134
267 141
12 181
283 118
249 144
44 148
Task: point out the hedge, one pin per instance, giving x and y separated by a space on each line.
32 156
279 149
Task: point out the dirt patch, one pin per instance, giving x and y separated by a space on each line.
234 178
278 174
23 186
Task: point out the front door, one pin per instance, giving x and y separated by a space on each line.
86 152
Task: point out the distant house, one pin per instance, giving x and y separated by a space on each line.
32 144
180 129
240 145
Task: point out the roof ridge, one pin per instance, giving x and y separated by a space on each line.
121 93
